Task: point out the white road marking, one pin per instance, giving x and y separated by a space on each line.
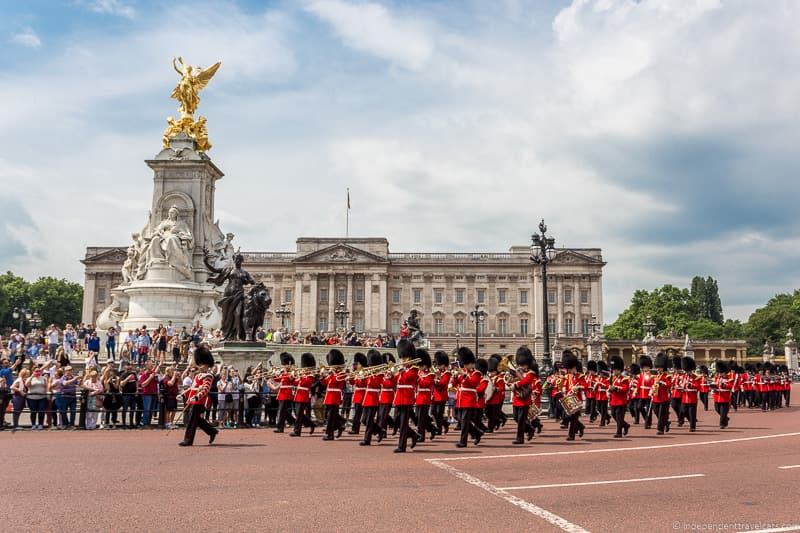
795 527
788 467
609 482
605 450
513 500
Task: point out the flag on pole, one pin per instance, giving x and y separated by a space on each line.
348 198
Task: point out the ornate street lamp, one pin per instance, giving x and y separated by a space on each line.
22 314
36 320
341 314
284 312
478 316
542 252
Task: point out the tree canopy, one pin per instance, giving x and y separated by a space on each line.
57 301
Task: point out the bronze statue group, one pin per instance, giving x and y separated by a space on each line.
407 397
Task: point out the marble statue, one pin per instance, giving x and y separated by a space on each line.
232 303
171 242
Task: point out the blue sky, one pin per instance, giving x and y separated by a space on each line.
663 131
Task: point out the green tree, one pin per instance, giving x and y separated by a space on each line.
58 301
772 321
670 307
713 302
14 292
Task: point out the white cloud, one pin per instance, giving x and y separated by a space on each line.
113 7
26 37
373 29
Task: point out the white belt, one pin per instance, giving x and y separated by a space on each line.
405 386
286 387
334 390
645 388
423 390
462 389
356 389
302 388
373 390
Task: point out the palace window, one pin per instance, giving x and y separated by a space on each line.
568 327
551 326
396 296
585 327
438 296
438 326
567 296
502 326
323 322
358 322
523 326
584 296
395 326
501 296
523 297
287 296
481 296
551 297
460 325
359 295
341 295
101 294
459 296
323 295
417 296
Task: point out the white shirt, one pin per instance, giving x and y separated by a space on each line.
52 336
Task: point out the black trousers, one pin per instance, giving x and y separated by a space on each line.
602 409
494 416
773 399
358 412
690 412
618 412
575 425
591 408
371 427
643 409
384 420
676 406
403 418
787 394
196 419
722 409
5 397
437 412
424 422
704 399
765 401
333 420
283 412
523 424
468 427
662 414
303 417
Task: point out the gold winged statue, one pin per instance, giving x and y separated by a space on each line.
187 92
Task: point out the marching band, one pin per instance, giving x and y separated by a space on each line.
419 388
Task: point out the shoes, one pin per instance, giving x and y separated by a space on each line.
478 439
351 432
399 450
313 427
380 436
692 430
517 441
530 436
659 432
363 443
414 439
570 438
340 431
667 428
580 431
184 443
626 429
294 434
461 445
277 430
617 436
212 437
327 437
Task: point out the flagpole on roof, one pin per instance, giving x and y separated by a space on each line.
347 219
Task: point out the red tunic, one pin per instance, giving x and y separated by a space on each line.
575 384
406 386
359 389
705 384
387 389
286 385
664 381
601 388
373 384
302 391
677 386
590 380
619 393
424 388
643 385
691 384
198 394
724 384
499 394
467 397
440 388
481 390
527 380
333 392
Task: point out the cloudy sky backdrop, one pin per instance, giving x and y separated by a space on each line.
664 131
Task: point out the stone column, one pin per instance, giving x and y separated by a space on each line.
349 301
311 321
688 348
790 348
383 324
89 298
538 308
596 295
559 306
298 301
368 302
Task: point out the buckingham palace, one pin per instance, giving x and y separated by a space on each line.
378 288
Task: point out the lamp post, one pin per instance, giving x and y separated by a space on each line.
36 320
22 314
478 316
458 339
283 311
341 313
542 252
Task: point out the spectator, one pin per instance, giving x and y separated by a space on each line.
184 339
6 380
111 398
82 332
252 402
54 409
170 330
130 341
111 344
19 390
128 388
62 357
53 337
226 388
143 343
69 401
148 382
94 389
69 339
93 345
175 349
160 341
36 387
171 387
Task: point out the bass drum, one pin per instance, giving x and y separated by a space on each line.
570 403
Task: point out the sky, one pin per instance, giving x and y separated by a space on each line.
665 132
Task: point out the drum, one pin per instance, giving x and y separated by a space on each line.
534 411
571 404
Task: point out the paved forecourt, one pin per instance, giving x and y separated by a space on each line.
255 479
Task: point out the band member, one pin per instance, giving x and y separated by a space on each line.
359 388
485 388
591 376
197 398
737 373
773 385
440 394
286 384
522 393
334 380
602 382
660 394
787 384
386 398
634 371
677 391
574 384
749 386
762 386
494 404
643 387
467 382
554 390
302 395
406 382
422 403
618 390
371 394
690 385
705 386
722 385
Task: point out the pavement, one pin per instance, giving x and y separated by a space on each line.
744 478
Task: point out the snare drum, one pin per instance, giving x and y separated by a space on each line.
571 404
534 411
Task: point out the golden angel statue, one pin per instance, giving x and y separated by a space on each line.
193 80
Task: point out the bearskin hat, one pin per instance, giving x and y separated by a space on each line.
424 357
784 369
534 368
688 364
568 360
496 356
388 358
662 361
703 370
750 367
634 369
591 366
307 360
602 367
579 367
493 362
524 357
616 363
406 349
360 358
759 367
676 362
482 366
441 358
374 357
645 361
465 356
287 359
203 356
335 357
720 366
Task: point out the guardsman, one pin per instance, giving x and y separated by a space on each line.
602 382
591 377
406 384
485 388
286 383
643 387
370 403
618 390
705 386
677 390
334 380
691 386
386 398
723 386
573 386
634 371
787 384
660 393
422 403
467 382
522 393
494 404
302 396
197 398
440 394
359 384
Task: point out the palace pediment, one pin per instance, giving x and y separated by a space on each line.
340 253
110 255
572 257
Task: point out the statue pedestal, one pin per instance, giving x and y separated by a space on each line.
151 303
